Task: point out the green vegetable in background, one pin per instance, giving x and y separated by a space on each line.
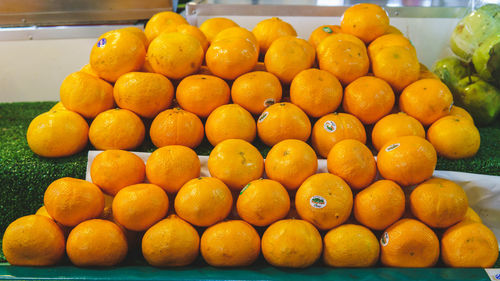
450 70
479 98
472 30
486 59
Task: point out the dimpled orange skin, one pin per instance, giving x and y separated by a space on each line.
407 160
344 56
57 133
410 244
122 52
85 94
439 202
113 170
176 126
230 121
353 161
238 32
291 243
379 205
387 41
366 21
230 243
325 135
287 56
163 22
70 201
315 91
231 57
263 202
138 33
171 166
137 207
256 90
283 121
116 129
397 65
195 32
426 100
472 216
395 125
368 98
201 94
171 242
175 55
321 32
338 200
145 94
291 162
454 137
469 244
203 201
213 26
33 240
268 30
235 162
96 243
460 112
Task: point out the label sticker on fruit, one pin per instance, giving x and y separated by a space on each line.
317 202
244 188
327 29
101 43
392 147
263 116
269 102
384 240
330 126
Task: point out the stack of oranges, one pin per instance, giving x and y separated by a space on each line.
180 79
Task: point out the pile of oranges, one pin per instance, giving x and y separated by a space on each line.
327 91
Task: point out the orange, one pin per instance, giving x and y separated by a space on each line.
315 91
116 53
145 94
458 111
85 94
291 243
171 242
57 134
393 30
407 160
113 170
334 127
137 207
230 243
231 57
427 100
203 201
175 55
33 240
454 137
230 121
350 245
58 107
287 56
212 26
390 40
469 244
70 201
322 32
201 94
366 21
195 32
395 125
255 91
262 202
42 211
176 126
235 162
96 243
291 162
204 70
409 243
397 65
283 121
426 73
472 216
161 22
238 32
379 205
138 33
351 160
88 69
439 202
368 98
107 212
116 129
171 166
268 30
324 200
344 56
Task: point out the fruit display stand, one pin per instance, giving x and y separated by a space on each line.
24 175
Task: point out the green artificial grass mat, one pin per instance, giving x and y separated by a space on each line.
24 176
